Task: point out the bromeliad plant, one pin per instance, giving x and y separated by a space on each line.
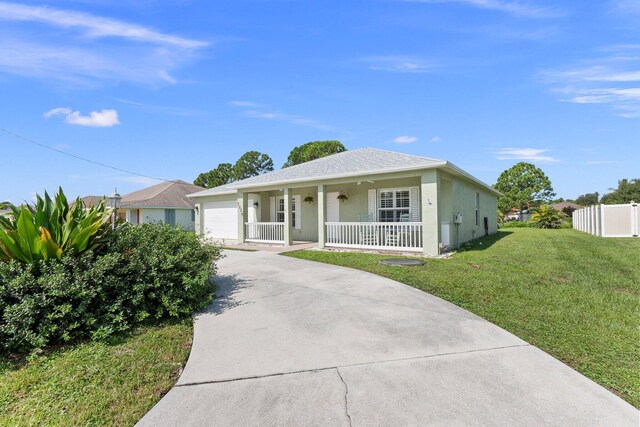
52 227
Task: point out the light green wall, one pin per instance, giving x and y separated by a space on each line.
358 195
309 212
464 202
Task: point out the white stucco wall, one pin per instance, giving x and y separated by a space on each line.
150 215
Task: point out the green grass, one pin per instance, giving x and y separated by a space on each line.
95 383
574 295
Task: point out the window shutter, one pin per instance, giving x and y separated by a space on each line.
372 205
272 209
297 201
414 203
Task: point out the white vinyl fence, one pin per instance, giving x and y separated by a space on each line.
608 220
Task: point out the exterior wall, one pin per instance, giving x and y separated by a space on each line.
357 203
463 198
308 212
183 217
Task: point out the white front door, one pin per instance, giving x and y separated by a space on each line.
333 215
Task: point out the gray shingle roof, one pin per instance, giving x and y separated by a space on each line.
172 194
348 163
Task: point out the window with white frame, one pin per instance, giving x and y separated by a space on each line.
280 213
393 205
477 209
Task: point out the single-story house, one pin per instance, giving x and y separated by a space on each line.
363 199
566 207
166 202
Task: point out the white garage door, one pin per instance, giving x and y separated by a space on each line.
221 220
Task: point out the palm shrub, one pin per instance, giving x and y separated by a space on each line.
546 217
52 227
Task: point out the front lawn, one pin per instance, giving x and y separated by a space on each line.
95 383
574 295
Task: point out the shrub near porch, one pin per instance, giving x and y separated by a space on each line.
573 295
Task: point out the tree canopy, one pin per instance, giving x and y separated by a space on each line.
588 199
221 175
250 164
313 150
522 186
628 190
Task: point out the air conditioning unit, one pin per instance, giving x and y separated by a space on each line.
457 218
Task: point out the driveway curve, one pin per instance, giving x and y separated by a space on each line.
294 342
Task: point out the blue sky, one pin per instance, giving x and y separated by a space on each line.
170 89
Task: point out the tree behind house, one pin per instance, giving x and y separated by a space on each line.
523 186
313 150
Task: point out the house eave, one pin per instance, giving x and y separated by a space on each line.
450 167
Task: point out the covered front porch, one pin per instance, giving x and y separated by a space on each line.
399 214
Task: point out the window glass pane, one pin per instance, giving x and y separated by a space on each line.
402 199
281 204
386 216
280 217
386 199
170 216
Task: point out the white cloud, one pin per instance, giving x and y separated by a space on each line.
398 64
515 8
250 110
404 139
435 139
93 26
102 118
289 118
604 96
613 79
530 154
600 162
34 47
243 104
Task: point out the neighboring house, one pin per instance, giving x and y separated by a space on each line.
166 202
364 199
514 215
91 201
566 207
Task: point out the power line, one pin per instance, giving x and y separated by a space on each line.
84 159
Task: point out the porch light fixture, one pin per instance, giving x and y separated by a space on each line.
308 199
342 197
114 203
256 204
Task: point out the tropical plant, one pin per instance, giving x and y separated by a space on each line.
147 272
546 216
52 227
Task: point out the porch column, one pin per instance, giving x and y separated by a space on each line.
430 213
322 215
243 202
198 222
288 238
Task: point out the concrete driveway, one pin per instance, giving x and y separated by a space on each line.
293 342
